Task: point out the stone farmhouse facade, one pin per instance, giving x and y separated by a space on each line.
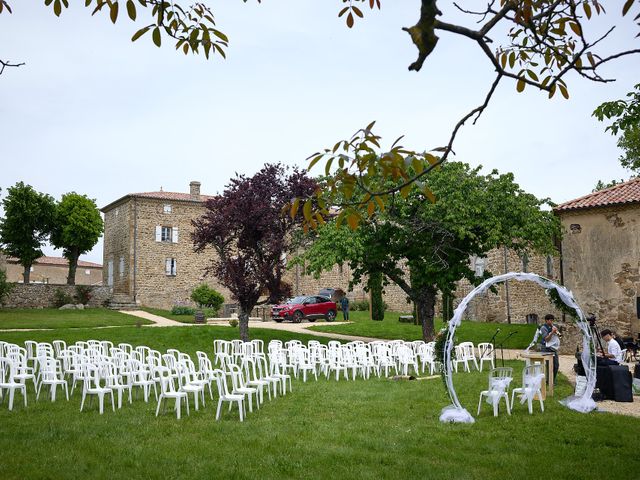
601 254
53 270
148 253
149 259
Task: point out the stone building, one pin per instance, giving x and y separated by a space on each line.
54 270
601 254
148 252
149 260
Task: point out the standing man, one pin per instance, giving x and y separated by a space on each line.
550 342
344 304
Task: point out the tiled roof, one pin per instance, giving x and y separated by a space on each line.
172 196
59 261
621 194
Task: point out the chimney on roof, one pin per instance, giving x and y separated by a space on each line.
194 190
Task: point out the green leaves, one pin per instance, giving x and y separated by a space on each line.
131 10
156 37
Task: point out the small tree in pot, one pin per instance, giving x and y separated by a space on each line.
206 297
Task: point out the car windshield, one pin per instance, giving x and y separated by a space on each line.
296 300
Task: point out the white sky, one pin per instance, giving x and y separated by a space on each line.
93 113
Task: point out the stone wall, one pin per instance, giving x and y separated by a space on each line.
54 274
131 235
154 286
513 300
601 264
118 247
40 295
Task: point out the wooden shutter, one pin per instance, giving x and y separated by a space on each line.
174 234
158 233
167 266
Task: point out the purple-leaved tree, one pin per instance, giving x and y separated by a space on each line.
250 235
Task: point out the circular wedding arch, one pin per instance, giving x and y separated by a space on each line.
583 403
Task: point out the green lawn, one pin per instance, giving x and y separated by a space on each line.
169 315
54 318
178 318
390 328
364 429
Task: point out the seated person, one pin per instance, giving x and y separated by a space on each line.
614 352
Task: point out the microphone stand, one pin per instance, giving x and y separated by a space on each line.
491 342
502 345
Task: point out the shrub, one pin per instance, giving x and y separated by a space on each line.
205 296
182 310
83 294
362 305
5 287
60 298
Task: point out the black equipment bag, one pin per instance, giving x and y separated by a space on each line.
636 370
604 382
621 383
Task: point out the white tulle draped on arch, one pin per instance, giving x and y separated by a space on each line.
584 403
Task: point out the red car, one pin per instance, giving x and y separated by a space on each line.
310 307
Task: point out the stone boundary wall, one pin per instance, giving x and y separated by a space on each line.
38 295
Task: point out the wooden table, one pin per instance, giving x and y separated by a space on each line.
547 359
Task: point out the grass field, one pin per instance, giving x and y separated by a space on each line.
167 314
54 318
364 429
390 328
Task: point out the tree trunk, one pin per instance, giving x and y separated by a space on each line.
73 256
243 323
375 288
425 301
26 274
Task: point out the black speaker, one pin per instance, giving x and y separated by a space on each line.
638 307
621 379
636 370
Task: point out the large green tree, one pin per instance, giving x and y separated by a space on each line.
77 228
27 222
625 116
424 247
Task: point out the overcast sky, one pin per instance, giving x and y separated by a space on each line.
92 112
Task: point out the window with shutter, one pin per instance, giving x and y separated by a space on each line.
165 235
167 208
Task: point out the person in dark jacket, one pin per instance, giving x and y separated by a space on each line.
344 303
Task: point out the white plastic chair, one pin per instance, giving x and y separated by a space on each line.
499 380
225 396
8 382
95 384
52 375
485 354
241 388
465 353
191 381
168 390
532 378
